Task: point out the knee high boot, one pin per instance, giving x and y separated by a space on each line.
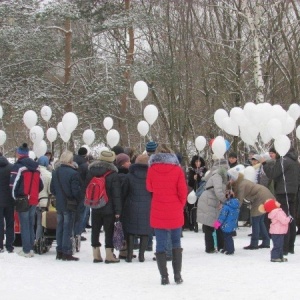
130 243
143 247
97 255
177 263
161 259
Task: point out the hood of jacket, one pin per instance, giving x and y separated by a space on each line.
3 161
163 158
27 162
80 160
139 170
233 202
291 154
103 166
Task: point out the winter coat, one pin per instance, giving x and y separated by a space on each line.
229 214
286 181
209 201
166 181
279 221
82 170
136 214
34 186
112 183
44 194
68 178
6 198
192 183
257 194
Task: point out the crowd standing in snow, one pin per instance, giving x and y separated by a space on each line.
148 193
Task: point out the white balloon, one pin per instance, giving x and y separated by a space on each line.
250 174
200 142
150 113
36 134
298 132
65 136
237 114
219 116
108 123
40 148
46 113
294 111
265 135
279 113
143 128
289 125
219 147
112 137
275 128
246 137
250 110
192 198
1 112
70 122
2 137
32 155
140 90
30 118
51 134
88 136
230 126
60 128
282 144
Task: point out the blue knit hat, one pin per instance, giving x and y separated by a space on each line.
151 146
23 150
43 161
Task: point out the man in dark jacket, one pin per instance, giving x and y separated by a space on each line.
65 185
105 216
285 173
6 206
30 185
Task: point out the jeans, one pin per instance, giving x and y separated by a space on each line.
27 221
162 239
228 242
259 229
7 213
64 231
277 250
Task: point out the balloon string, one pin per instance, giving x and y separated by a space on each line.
286 196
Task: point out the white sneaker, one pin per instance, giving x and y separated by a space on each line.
31 253
27 255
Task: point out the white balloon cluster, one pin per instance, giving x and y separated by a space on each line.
112 136
268 121
2 133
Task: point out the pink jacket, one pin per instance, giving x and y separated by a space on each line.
279 221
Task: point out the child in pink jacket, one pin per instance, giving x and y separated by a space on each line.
278 228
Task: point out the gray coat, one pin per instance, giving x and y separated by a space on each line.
209 202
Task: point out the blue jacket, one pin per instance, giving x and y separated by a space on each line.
70 182
229 214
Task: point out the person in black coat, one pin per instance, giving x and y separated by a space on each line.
195 174
137 207
65 184
6 206
105 216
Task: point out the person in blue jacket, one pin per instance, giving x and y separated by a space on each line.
228 220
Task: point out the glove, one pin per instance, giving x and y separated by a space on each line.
217 224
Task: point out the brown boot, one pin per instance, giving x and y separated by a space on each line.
97 255
110 257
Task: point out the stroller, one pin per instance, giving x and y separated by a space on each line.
48 222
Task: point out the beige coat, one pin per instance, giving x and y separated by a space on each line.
255 193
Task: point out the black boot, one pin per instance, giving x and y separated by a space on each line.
177 263
161 260
143 247
130 242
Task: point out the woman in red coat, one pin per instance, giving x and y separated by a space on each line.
166 181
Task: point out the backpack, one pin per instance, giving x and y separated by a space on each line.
95 194
28 183
202 187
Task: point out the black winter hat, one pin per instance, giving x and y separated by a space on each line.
82 151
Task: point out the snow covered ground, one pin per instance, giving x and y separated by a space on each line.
246 275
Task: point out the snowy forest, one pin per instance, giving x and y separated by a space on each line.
196 56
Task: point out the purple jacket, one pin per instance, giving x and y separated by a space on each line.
279 221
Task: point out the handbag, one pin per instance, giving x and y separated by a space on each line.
22 204
71 203
118 235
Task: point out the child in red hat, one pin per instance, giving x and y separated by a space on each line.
278 228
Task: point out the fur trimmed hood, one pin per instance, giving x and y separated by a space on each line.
103 164
163 158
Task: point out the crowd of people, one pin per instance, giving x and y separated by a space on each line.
148 193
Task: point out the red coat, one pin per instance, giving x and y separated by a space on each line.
166 180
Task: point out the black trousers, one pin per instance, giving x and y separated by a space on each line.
209 240
107 221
